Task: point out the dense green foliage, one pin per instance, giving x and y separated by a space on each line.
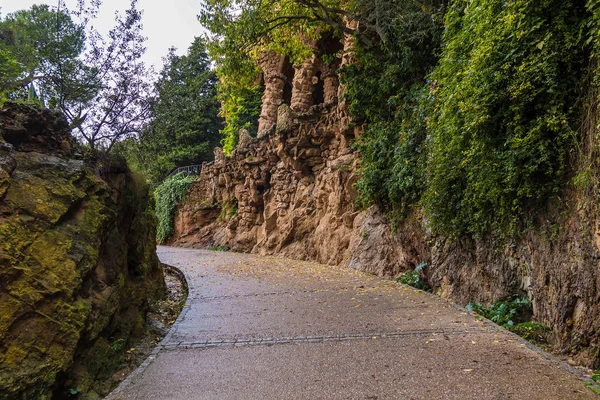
472 116
387 91
168 196
9 73
185 122
506 87
34 54
514 313
505 313
241 108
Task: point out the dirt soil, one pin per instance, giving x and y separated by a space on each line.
162 315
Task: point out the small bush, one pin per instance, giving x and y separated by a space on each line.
532 331
414 278
514 314
505 313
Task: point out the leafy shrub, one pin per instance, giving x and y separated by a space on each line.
505 313
514 314
414 278
169 195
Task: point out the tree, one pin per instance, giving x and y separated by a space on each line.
45 46
121 106
97 81
184 126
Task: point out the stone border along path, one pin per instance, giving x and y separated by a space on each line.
269 328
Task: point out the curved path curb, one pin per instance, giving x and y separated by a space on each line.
139 370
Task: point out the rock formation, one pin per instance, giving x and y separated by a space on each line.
274 78
77 259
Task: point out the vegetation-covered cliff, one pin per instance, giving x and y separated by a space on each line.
77 259
458 135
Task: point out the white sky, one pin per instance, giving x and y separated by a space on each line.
166 24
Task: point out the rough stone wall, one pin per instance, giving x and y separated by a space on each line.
77 260
557 266
289 193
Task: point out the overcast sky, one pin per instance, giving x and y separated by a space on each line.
166 24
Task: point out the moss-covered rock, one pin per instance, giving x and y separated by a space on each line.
77 260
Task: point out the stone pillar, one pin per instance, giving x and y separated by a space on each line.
348 54
330 85
272 66
302 86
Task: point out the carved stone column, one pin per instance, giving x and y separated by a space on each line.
348 55
330 84
302 86
272 66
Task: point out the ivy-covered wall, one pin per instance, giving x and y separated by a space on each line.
476 113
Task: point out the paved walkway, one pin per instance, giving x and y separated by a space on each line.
269 328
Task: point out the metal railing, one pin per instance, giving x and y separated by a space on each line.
188 170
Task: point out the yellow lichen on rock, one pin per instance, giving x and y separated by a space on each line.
70 271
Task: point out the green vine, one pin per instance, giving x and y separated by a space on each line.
169 195
506 90
474 120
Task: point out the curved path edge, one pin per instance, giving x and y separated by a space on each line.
139 370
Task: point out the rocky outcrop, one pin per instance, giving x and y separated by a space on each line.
77 260
289 193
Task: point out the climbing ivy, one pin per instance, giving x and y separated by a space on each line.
505 93
388 93
475 118
168 196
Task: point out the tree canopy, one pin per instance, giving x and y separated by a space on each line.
184 122
45 47
98 82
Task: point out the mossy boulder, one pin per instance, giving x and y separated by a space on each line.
78 265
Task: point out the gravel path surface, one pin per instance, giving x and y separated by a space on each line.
270 328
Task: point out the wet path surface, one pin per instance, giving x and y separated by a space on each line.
270 328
